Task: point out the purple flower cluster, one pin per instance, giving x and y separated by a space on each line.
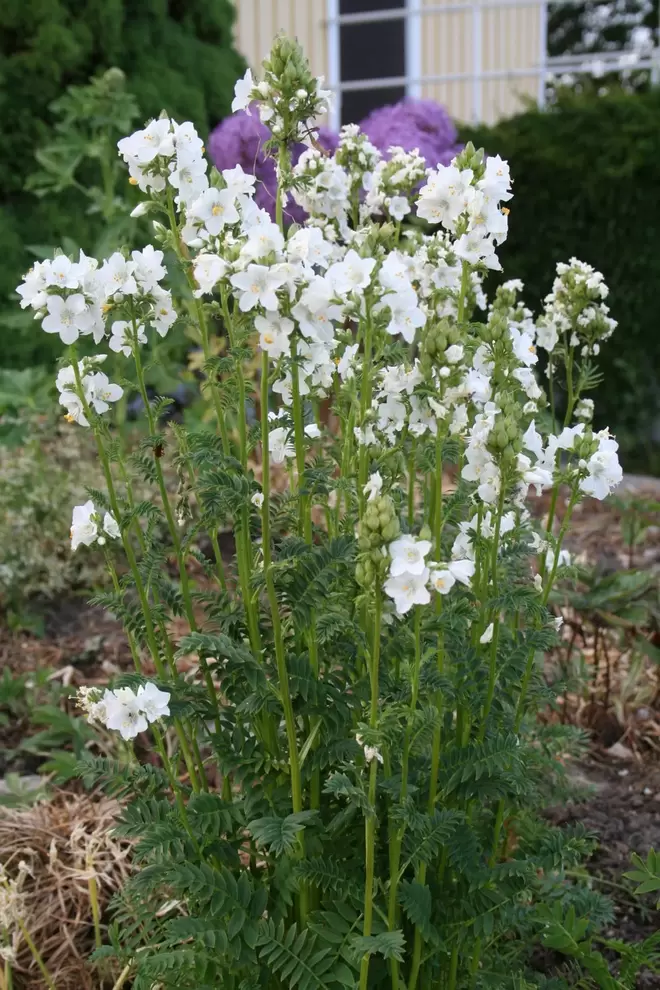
240 140
410 124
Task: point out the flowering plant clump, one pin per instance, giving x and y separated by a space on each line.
244 138
350 771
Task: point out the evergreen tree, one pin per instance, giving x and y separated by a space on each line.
178 55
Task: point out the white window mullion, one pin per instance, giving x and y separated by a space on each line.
334 61
412 25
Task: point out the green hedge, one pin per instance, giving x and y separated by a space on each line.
177 54
587 184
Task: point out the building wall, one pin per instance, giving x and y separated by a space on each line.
482 38
258 21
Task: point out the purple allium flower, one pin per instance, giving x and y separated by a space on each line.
410 124
240 140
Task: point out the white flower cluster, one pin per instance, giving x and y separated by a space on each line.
88 528
124 710
471 209
392 181
574 310
407 583
73 298
166 153
411 576
277 109
98 390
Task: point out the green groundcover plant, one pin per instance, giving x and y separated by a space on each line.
349 778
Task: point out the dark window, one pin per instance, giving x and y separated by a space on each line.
375 50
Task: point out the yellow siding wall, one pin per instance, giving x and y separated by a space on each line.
510 39
258 21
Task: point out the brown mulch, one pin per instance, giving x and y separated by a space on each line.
624 812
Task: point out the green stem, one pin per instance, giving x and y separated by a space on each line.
365 398
36 955
411 482
171 524
397 838
465 281
492 664
123 976
282 672
370 818
94 902
243 539
418 941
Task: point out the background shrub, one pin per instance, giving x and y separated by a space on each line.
177 55
587 174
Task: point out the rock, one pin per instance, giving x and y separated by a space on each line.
620 752
14 783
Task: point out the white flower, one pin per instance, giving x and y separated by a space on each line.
345 368
102 391
454 354
111 527
312 431
585 410
190 179
124 713
406 315
263 240
164 314
443 581
32 290
243 93
258 499
257 286
279 445
372 753
239 183
309 246
462 570
208 269
523 346
149 268
398 207
532 440
562 557
605 472
117 275
475 247
62 272
143 146
407 590
68 317
122 337
496 183
408 555
215 208
447 193
374 486
353 274
274 331
487 635
153 702
84 527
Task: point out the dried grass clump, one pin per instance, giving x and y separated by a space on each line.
65 842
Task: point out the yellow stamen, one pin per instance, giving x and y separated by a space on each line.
133 181
69 418
506 211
